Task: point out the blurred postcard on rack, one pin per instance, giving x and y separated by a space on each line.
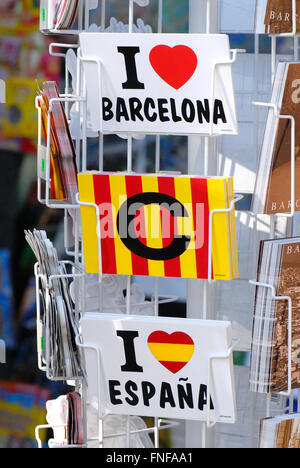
159 367
272 193
276 16
279 267
64 415
158 225
281 432
159 84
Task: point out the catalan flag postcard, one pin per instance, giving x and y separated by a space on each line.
158 225
155 366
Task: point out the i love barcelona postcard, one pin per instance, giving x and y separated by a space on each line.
159 83
154 366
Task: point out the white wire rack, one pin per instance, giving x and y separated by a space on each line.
2 352
71 211
44 152
290 215
293 156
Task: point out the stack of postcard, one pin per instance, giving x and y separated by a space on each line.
280 432
63 169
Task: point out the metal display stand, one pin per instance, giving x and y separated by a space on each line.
290 215
43 341
2 352
2 342
290 317
196 308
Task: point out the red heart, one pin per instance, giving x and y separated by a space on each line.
172 351
174 65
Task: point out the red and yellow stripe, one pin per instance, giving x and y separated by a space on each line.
172 351
155 226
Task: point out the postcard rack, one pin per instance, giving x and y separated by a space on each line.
73 247
2 92
292 34
289 215
209 423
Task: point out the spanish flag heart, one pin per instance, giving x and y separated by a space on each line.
172 351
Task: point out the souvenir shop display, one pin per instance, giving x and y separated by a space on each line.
157 225
97 328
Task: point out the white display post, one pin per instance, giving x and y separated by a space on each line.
202 159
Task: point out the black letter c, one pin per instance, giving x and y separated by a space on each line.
178 245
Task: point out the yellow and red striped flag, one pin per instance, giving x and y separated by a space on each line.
172 351
158 225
